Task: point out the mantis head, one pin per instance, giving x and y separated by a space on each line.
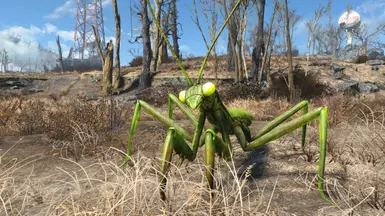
197 94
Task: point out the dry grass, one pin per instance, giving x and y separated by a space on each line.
77 128
103 188
80 128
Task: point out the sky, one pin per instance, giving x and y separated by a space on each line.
40 21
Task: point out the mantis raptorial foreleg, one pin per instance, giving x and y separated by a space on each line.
174 142
157 115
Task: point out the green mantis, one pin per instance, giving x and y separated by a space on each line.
223 120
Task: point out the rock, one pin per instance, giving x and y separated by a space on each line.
337 71
11 83
368 87
349 53
94 79
21 82
350 85
380 86
35 90
375 52
14 87
337 67
322 64
375 62
375 68
338 75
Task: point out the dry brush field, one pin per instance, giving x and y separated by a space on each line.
60 156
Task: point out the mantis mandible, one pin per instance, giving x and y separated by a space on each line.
223 120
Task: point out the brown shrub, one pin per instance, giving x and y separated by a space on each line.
158 95
364 59
307 87
136 61
56 118
236 91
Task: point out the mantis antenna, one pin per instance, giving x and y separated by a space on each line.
215 40
169 44
208 52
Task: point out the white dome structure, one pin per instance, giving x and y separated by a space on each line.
350 20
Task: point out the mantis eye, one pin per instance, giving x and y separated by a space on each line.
182 96
208 89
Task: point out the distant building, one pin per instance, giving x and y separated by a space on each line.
82 64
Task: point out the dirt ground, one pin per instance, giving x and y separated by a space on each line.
41 177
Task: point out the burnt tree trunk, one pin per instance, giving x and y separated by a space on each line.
145 78
174 29
260 46
97 38
163 51
157 36
289 56
60 54
116 76
107 69
231 42
231 56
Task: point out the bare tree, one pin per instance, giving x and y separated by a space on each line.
210 12
98 43
60 59
4 60
174 27
107 69
312 25
116 76
267 48
211 6
289 56
294 20
156 34
235 47
366 37
241 23
163 45
232 35
259 49
145 78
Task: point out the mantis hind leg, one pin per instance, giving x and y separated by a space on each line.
285 128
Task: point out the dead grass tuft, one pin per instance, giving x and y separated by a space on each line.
307 86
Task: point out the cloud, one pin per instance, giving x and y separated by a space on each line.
66 35
106 2
50 28
26 55
371 7
27 34
69 7
23 47
372 13
185 48
300 28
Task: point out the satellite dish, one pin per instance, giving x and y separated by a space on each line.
350 20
